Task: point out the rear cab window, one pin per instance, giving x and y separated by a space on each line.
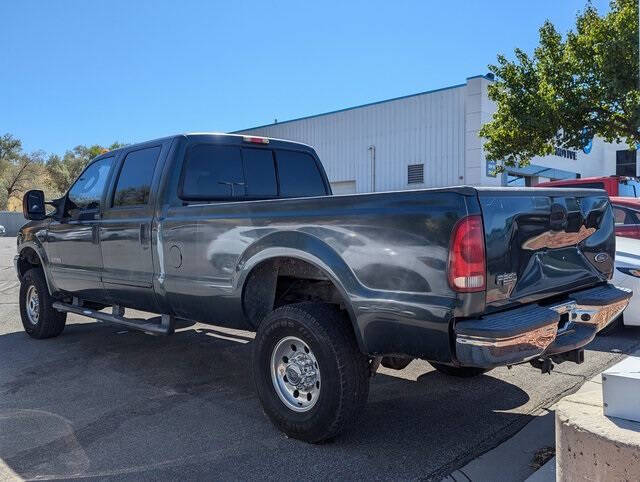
299 175
212 172
221 172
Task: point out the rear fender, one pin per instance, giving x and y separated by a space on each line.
308 248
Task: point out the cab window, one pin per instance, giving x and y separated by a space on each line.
213 172
218 172
299 175
87 191
134 181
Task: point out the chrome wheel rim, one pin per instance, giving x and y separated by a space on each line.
295 374
33 305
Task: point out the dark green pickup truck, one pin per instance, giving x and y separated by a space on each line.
244 232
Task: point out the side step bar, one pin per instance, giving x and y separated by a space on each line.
165 327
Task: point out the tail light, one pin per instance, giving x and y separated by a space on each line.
466 269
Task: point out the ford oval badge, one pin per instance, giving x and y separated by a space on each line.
601 257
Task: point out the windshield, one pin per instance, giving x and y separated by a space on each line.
630 188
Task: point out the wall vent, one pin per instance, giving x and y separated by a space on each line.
415 173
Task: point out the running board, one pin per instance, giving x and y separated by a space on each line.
165 327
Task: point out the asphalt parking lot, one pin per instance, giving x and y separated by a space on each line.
100 401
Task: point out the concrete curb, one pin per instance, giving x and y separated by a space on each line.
590 446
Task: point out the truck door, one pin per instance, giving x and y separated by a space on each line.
125 233
73 240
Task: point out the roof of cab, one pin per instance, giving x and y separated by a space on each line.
238 137
246 136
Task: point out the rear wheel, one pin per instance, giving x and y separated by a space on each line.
461 372
39 318
310 376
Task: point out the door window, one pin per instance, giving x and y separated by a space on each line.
134 181
87 191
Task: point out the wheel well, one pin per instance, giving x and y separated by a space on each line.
28 259
282 281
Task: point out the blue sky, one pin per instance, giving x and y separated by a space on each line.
86 72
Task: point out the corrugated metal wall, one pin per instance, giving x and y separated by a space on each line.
425 128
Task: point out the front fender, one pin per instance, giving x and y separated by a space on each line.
44 261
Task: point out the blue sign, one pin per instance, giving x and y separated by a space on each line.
587 147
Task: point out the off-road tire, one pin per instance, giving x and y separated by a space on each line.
50 321
461 372
395 362
344 370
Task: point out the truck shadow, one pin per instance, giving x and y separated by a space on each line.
102 401
623 340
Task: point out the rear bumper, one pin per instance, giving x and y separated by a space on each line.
522 334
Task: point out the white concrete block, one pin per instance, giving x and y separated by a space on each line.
621 389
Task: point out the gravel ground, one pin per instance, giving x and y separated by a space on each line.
103 402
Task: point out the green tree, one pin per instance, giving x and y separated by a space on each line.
20 175
64 170
10 150
572 89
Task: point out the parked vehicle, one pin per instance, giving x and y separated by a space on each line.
626 213
627 275
624 193
620 186
244 231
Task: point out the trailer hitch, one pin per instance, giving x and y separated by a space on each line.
546 364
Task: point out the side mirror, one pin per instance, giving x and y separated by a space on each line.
33 205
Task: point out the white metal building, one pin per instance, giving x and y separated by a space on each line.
430 139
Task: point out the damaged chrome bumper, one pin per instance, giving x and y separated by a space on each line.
532 331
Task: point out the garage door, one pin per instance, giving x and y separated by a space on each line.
343 187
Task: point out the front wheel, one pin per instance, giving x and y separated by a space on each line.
39 318
310 376
461 372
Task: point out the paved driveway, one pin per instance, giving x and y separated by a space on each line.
101 401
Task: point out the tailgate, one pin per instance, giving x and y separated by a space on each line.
545 242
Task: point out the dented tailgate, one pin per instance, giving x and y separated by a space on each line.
545 242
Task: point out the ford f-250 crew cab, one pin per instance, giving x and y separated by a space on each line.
244 232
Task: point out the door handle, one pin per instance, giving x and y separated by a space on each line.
142 234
